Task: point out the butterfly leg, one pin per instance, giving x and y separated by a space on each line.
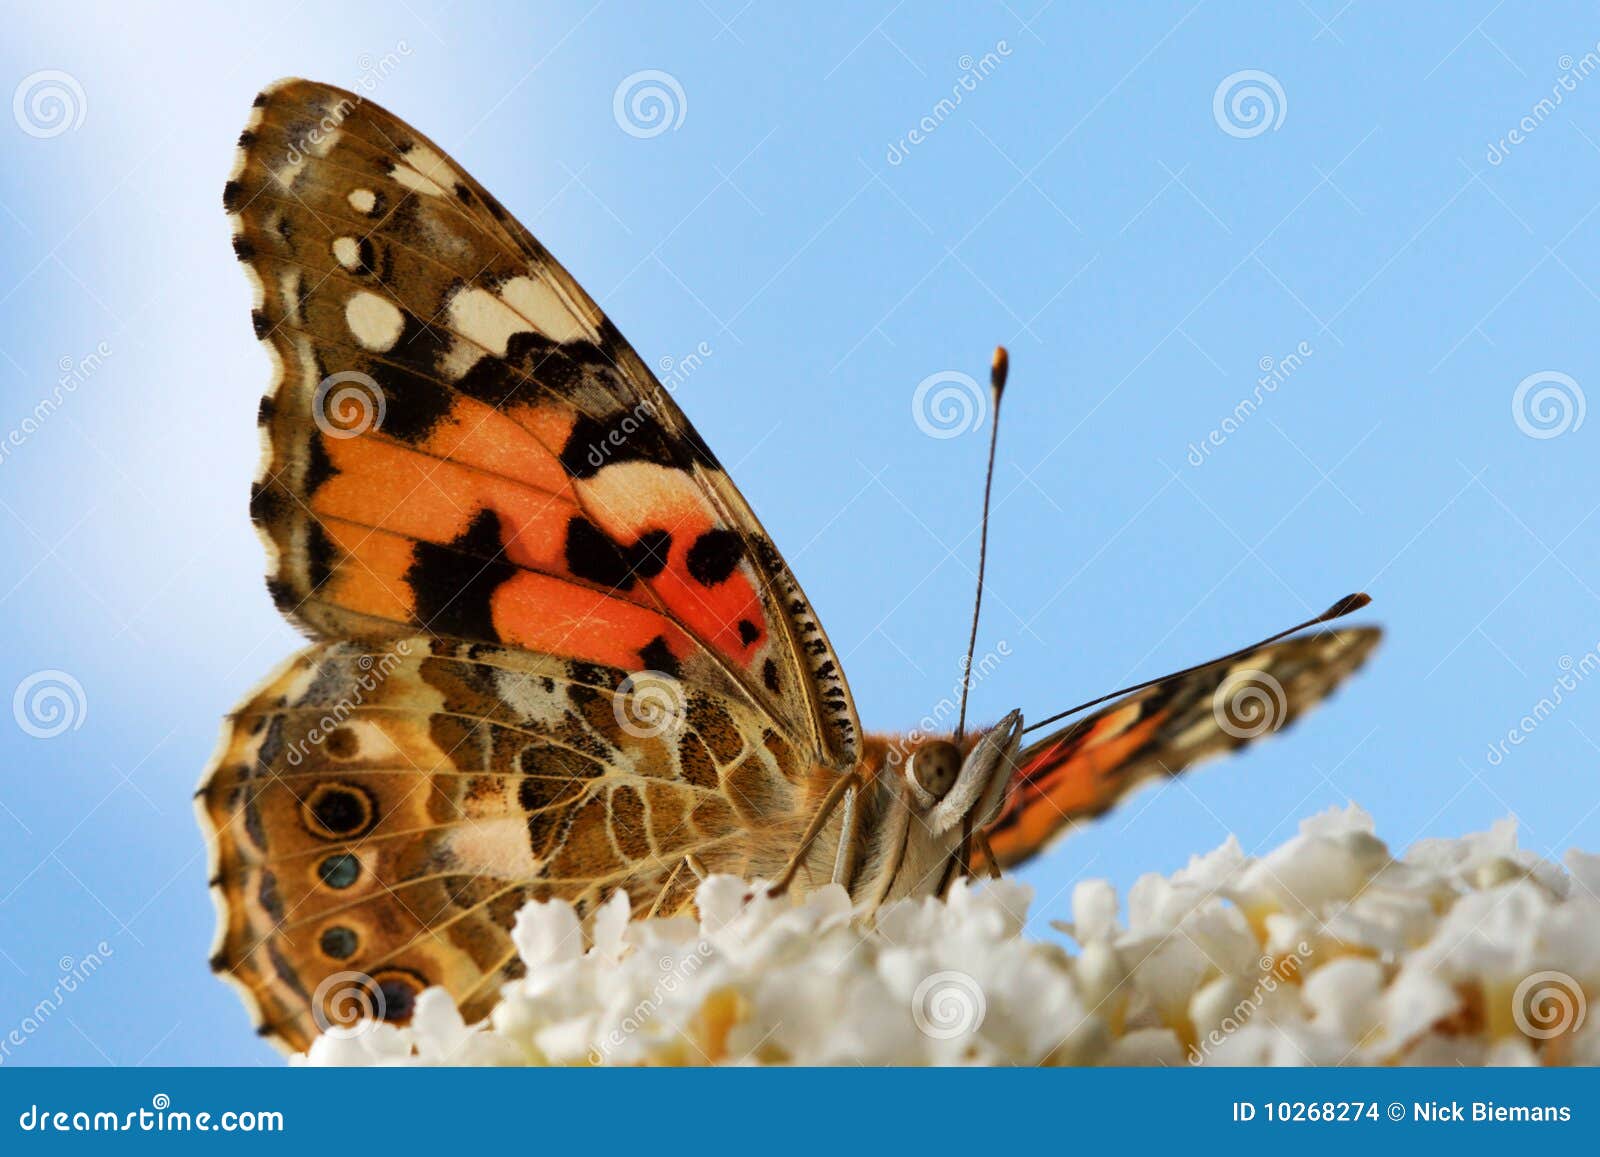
666 889
981 842
959 865
843 859
847 784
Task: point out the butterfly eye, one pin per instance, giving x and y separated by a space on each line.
934 767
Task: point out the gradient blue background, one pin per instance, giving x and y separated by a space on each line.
1081 206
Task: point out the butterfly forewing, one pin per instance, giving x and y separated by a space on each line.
1086 767
461 444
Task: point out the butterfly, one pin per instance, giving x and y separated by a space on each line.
553 653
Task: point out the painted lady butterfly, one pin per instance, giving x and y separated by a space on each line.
554 653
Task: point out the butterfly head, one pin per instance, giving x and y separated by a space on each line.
943 786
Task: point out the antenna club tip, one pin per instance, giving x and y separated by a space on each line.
998 368
1347 605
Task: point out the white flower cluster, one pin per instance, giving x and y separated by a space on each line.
1325 951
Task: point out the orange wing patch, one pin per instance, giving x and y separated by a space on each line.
1072 776
1088 766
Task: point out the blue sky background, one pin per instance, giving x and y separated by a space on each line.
1082 205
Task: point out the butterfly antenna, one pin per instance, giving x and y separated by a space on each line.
997 384
1339 609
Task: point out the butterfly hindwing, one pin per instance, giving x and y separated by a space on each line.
379 814
1085 768
460 443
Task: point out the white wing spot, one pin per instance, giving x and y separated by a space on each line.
375 321
458 359
347 252
362 200
524 696
522 306
544 309
481 317
407 176
371 741
428 172
496 848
